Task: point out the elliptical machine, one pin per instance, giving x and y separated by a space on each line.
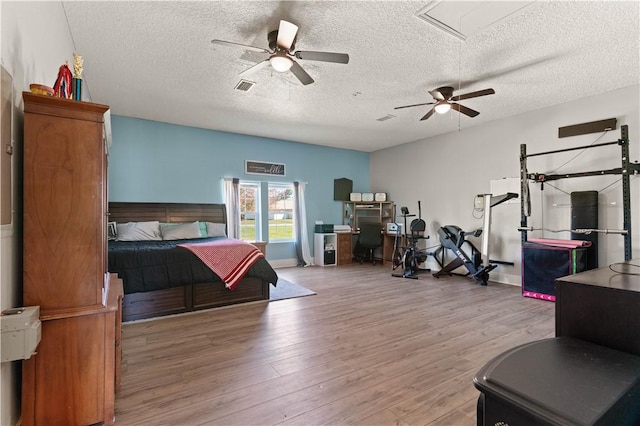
410 256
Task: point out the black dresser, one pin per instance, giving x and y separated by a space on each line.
601 306
589 374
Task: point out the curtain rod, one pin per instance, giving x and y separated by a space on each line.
301 181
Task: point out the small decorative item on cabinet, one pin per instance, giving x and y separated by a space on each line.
367 196
355 196
62 88
380 196
76 88
41 89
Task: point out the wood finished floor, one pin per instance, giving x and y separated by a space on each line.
368 349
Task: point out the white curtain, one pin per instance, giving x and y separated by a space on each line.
232 202
302 235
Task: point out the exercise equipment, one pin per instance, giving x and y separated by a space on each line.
584 214
453 238
626 170
409 256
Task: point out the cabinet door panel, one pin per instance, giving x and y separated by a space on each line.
63 217
70 371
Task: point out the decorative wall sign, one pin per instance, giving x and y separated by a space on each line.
262 168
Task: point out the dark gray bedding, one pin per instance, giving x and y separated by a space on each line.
158 265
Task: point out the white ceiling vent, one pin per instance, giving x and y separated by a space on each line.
245 85
386 117
465 18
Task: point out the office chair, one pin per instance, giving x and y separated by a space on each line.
369 239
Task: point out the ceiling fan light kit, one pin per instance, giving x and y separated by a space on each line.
444 101
281 42
280 62
442 107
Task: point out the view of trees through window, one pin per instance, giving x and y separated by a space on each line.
280 211
249 211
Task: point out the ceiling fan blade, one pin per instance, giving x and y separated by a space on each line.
254 69
436 95
286 34
429 114
244 46
340 58
301 74
463 109
414 105
473 94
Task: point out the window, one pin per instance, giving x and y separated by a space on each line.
281 201
278 205
249 211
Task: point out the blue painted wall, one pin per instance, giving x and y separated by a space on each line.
159 162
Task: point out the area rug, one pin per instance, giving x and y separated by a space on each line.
287 290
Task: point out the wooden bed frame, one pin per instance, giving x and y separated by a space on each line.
189 297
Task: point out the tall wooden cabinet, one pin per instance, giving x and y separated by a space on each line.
72 379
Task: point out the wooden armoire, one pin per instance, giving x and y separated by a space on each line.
73 377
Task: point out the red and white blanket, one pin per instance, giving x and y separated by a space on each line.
229 258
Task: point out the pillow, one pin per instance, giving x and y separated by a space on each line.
203 229
180 231
138 231
216 229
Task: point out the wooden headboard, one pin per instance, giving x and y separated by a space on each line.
167 212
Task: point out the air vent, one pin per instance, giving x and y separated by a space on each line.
245 85
462 19
385 118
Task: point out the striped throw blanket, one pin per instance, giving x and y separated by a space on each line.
228 258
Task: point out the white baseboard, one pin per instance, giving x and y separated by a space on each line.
6 231
495 276
283 263
515 280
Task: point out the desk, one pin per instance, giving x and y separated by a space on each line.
601 306
388 245
346 243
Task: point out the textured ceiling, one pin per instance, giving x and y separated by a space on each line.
155 60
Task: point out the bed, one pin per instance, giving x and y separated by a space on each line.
183 283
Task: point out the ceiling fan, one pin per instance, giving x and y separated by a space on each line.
444 101
281 43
